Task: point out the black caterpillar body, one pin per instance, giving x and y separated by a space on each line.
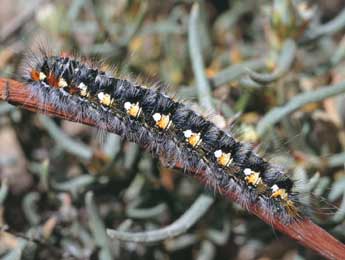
164 127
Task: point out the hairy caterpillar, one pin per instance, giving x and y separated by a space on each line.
164 127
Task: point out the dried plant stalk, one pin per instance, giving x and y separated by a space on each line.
304 231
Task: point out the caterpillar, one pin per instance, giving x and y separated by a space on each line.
163 126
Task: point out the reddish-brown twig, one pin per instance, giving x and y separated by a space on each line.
304 231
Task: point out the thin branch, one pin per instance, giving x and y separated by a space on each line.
331 27
136 26
285 61
188 219
204 90
97 227
277 114
145 213
235 71
68 144
304 231
19 21
3 191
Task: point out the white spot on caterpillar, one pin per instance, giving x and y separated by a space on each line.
274 188
100 96
218 153
157 117
83 90
62 83
188 133
82 86
247 171
42 76
127 105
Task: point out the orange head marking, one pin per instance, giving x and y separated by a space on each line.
52 81
73 90
35 75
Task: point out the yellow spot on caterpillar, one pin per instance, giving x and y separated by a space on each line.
223 159
252 178
277 192
105 99
83 90
193 139
62 83
132 109
42 76
162 121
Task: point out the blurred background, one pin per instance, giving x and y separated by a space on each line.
63 184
